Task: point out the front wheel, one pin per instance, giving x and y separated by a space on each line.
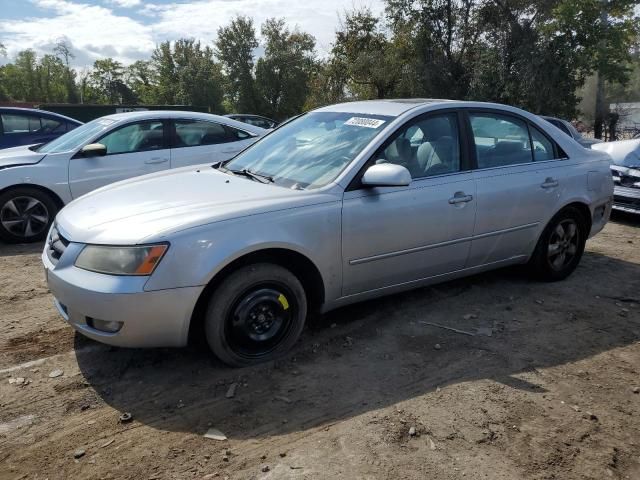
255 315
560 246
26 214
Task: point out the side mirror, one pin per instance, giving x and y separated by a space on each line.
386 175
94 150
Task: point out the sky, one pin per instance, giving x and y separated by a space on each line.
128 30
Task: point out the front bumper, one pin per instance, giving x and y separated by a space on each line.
158 318
626 199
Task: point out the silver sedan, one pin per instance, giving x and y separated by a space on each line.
345 203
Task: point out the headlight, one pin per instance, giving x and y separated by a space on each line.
121 260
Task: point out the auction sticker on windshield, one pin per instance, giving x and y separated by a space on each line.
364 122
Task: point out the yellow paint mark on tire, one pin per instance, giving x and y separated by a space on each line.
283 301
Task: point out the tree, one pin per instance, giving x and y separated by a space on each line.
367 57
3 92
604 31
521 60
436 40
51 74
63 51
327 84
282 75
185 73
142 79
235 49
21 77
106 82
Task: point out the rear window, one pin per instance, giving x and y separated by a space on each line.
12 123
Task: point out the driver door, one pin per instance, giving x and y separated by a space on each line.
134 149
398 235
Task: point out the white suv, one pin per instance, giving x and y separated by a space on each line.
37 180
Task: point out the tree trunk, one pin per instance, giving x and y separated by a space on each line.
600 105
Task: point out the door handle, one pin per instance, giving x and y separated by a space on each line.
230 150
156 160
460 197
550 183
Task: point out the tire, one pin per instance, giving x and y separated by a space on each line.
256 315
26 214
560 246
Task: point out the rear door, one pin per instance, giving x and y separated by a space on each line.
199 141
134 149
518 186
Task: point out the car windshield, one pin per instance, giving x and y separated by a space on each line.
310 151
75 138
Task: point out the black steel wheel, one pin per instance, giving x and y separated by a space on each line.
256 315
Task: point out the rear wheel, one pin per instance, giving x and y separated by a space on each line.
560 246
25 214
256 315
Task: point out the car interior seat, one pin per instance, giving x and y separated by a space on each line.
438 154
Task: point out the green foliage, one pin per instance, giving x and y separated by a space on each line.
182 74
527 53
282 75
368 62
106 83
32 79
62 50
235 48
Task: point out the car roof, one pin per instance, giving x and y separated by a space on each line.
41 113
398 106
158 114
250 115
547 117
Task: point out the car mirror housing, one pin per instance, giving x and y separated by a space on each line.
94 150
386 175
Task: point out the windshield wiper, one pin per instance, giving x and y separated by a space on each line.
253 175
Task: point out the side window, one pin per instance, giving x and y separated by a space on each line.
20 123
500 140
194 133
259 122
136 137
426 147
237 135
542 146
50 125
562 127
70 126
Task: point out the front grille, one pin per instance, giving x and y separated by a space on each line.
623 179
627 202
56 245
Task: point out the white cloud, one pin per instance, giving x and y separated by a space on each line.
96 31
202 18
126 3
92 30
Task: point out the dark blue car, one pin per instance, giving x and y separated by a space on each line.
26 126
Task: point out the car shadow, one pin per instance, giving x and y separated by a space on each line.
625 218
371 355
12 250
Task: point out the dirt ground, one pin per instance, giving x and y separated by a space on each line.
540 387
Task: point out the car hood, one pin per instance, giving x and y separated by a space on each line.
625 153
151 207
13 157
